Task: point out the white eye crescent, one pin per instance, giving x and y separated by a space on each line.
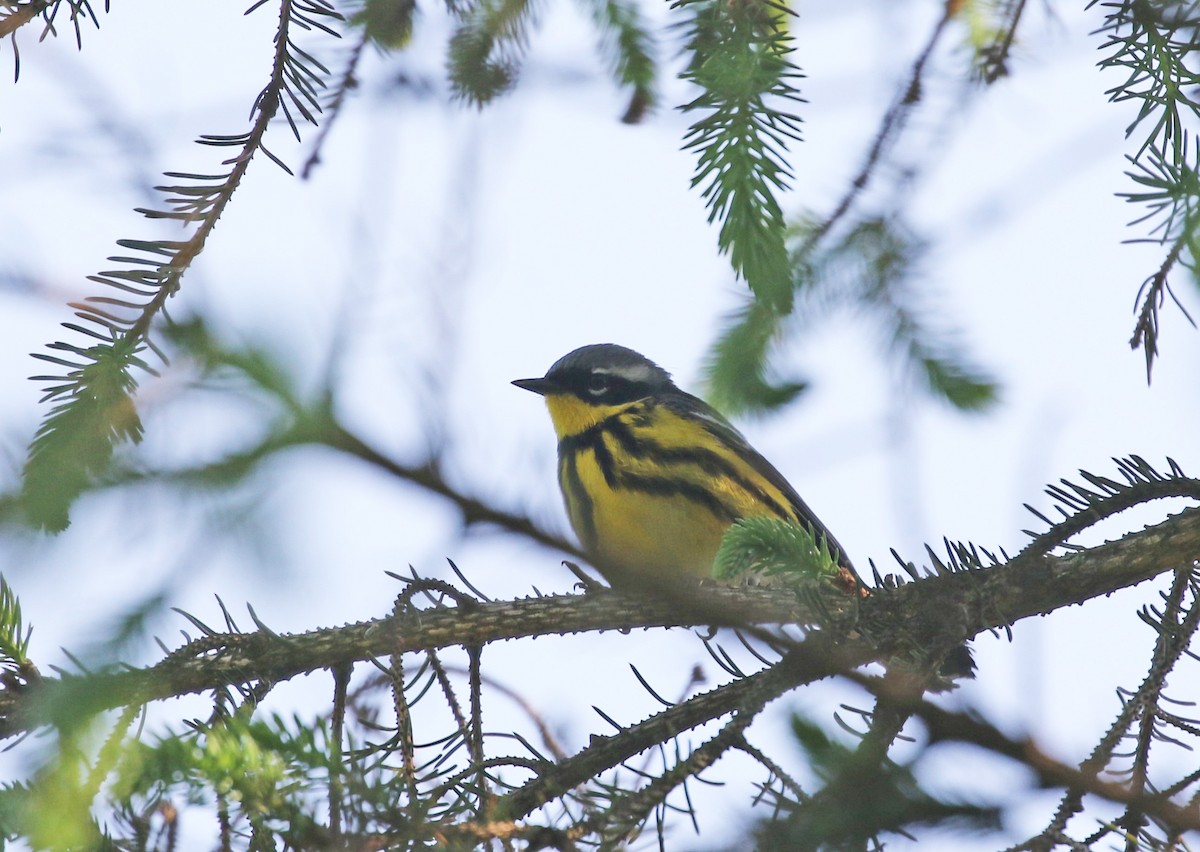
597 384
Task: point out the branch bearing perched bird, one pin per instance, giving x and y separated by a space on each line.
654 477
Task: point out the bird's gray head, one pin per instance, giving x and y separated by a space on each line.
602 374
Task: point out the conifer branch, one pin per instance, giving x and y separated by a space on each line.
294 422
959 601
948 608
94 406
15 14
867 263
872 267
337 101
741 60
487 47
632 809
1083 506
1152 296
1154 44
992 57
813 659
944 725
629 47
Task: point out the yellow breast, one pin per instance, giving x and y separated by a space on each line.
651 493
635 531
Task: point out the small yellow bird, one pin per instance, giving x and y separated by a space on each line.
652 476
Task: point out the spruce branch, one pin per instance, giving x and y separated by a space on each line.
1170 188
1154 43
298 421
948 608
218 660
737 371
864 796
944 725
812 659
487 46
629 47
632 809
959 600
1083 506
1140 718
868 263
15 14
872 267
740 58
1176 626
991 56
1151 297
336 101
95 408
886 257
14 635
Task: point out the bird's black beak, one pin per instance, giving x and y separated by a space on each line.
538 386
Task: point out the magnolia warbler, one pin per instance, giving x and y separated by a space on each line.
652 476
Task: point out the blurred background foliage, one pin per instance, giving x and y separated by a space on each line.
168 418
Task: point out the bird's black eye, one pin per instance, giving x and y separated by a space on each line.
597 384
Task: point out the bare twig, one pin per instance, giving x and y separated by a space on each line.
892 125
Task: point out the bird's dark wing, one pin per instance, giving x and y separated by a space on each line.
716 425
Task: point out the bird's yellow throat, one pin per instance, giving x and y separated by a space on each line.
571 415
